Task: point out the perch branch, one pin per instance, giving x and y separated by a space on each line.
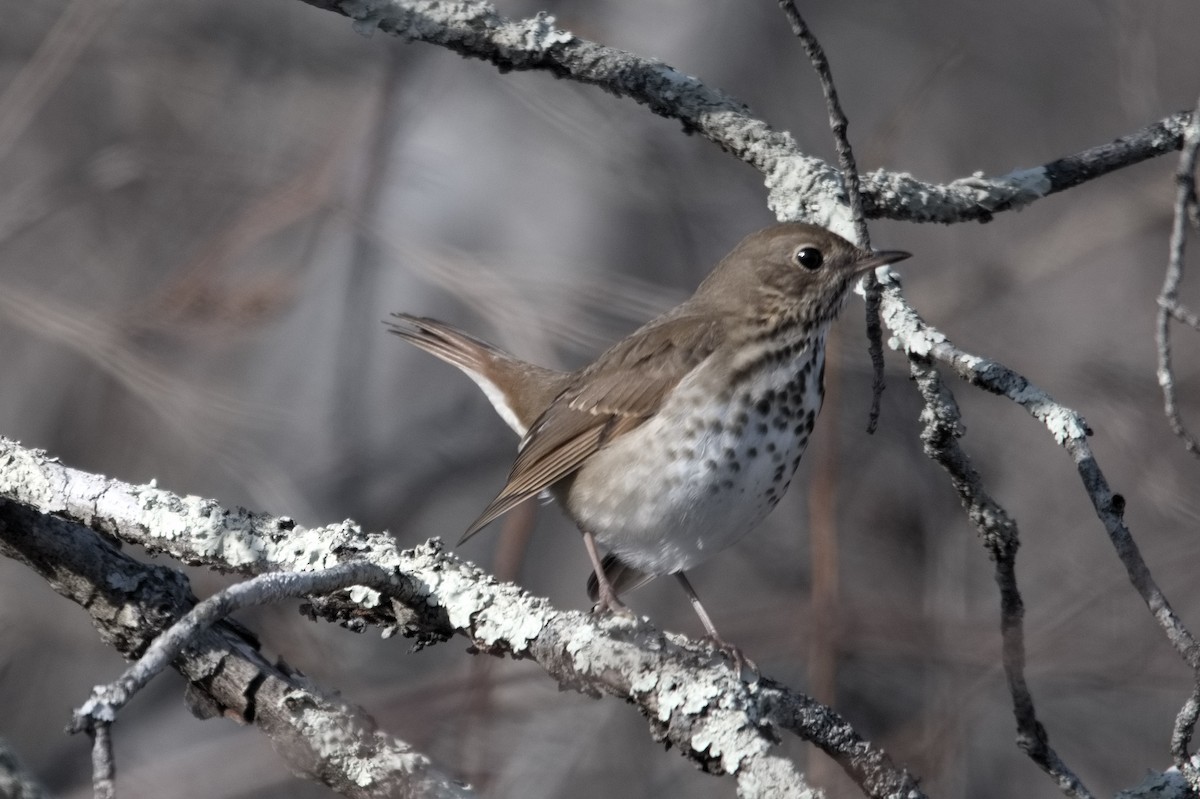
690 696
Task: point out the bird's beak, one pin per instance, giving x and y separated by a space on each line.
879 258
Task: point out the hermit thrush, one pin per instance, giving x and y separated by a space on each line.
681 438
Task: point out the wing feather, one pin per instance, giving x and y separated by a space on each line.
613 396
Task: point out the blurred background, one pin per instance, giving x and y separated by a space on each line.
208 208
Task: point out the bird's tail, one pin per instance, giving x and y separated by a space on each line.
453 346
505 380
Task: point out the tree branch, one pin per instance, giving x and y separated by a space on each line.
131 603
711 717
916 338
942 429
690 696
801 187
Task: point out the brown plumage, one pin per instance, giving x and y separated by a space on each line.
654 448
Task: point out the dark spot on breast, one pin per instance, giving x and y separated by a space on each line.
729 453
763 406
762 428
752 452
727 484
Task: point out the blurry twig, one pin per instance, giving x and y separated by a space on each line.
53 60
194 290
16 782
1169 306
109 348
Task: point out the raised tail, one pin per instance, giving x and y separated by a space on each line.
519 391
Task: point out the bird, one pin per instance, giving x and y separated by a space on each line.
681 438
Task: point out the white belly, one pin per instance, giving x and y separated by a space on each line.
665 512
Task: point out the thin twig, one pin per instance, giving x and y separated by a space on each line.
840 125
1070 431
1168 299
838 122
107 700
942 428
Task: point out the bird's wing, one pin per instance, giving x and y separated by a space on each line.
614 395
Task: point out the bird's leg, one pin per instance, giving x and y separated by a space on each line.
608 600
740 661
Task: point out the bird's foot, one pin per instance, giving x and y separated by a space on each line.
608 602
740 662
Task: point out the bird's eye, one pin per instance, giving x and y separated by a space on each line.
809 257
